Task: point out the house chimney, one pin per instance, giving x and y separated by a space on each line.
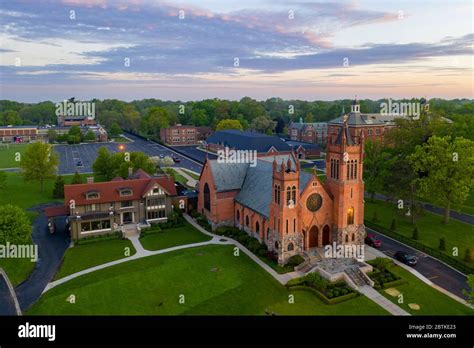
90 179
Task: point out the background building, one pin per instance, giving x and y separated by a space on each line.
184 135
315 132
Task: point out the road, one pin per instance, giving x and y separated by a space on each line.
436 271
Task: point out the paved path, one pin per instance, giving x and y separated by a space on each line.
51 248
191 181
8 301
383 302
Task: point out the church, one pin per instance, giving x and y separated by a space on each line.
290 210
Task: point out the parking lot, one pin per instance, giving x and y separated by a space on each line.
81 157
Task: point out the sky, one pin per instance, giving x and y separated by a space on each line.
193 50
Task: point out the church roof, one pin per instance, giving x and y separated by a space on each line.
228 176
256 192
344 131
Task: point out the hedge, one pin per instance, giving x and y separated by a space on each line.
99 238
329 301
459 265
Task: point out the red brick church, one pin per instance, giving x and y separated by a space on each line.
287 208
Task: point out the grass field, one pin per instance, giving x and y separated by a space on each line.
88 255
17 269
210 278
431 301
174 236
7 156
430 228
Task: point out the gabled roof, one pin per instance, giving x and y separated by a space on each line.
256 192
110 191
228 176
344 131
240 140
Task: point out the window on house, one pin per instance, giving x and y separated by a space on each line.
125 192
92 195
207 197
293 194
257 227
290 247
247 221
238 216
126 204
350 216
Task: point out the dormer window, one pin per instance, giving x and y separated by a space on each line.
125 192
92 195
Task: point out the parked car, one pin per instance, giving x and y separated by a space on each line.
176 159
162 156
406 258
372 240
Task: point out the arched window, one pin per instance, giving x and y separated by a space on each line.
350 216
286 225
257 227
238 216
337 169
353 237
290 247
247 222
276 194
348 170
347 238
207 197
355 169
294 225
288 195
276 245
293 194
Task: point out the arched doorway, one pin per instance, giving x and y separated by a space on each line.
313 237
326 235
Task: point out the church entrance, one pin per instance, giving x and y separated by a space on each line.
326 235
313 237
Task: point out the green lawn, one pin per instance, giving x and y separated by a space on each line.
431 301
120 139
467 207
8 156
191 174
430 228
88 255
17 269
177 177
212 280
174 236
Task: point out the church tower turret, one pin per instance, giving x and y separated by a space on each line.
344 169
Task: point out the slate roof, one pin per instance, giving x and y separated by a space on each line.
256 189
301 125
240 140
228 176
358 119
344 130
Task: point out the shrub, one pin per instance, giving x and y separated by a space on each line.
194 213
415 235
442 244
295 260
393 226
381 263
468 255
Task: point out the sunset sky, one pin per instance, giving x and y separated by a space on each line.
52 50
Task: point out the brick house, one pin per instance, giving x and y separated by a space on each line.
314 132
184 135
105 207
288 209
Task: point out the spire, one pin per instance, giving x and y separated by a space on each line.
283 169
288 163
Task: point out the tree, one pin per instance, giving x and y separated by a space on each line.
75 131
155 119
470 283
103 165
138 160
115 130
3 180
90 136
15 226
52 135
58 190
76 179
10 117
39 163
263 124
377 166
228 124
446 170
199 117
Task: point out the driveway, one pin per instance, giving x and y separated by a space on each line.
436 271
51 248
